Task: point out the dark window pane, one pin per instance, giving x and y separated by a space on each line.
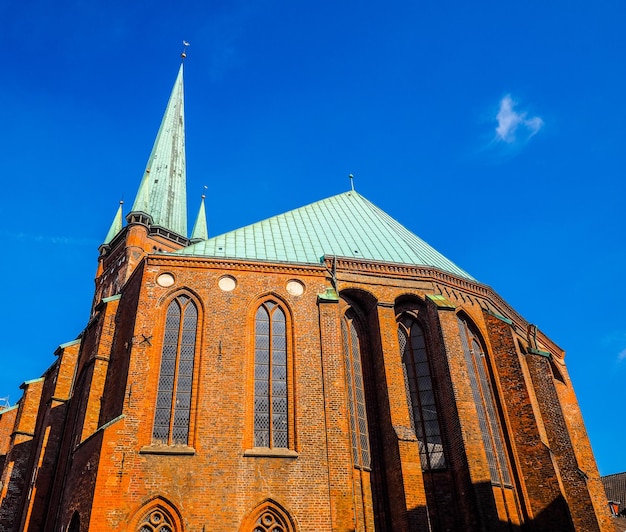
270 373
175 356
419 391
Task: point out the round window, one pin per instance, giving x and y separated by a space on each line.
227 283
165 280
295 288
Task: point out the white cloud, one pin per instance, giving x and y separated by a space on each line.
510 122
621 356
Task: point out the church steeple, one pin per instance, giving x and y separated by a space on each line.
162 192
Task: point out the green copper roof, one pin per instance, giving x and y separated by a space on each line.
346 225
200 230
116 226
162 192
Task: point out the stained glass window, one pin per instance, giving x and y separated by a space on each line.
485 404
270 377
356 394
420 393
171 418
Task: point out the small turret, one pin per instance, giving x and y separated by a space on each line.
200 231
115 228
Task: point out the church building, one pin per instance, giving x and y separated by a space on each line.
321 370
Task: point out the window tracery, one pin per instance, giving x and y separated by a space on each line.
356 393
156 521
171 418
269 516
420 393
271 424
268 522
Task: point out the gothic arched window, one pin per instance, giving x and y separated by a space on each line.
268 517
420 393
74 525
156 521
171 418
270 521
356 393
271 426
484 399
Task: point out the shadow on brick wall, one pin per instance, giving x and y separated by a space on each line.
17 461
552 518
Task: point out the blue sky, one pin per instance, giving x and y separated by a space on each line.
493 130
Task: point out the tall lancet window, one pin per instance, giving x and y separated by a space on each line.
420 393
270 377
356 394
483 394
171 419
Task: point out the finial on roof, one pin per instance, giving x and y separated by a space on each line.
351 181
184 52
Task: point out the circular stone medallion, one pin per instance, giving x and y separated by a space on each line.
227 283
165 280
295 288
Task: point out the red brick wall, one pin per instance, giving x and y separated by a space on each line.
46 443
111 473
535 471
15 476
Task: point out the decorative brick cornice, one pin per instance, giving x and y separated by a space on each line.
491 301
193 261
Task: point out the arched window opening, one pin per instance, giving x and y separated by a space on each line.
74 525
484 400
171 419
156 521
268 517
271 428
420 393
356 393
269 521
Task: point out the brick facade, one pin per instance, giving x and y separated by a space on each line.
85 429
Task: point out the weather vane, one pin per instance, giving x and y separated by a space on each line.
184 53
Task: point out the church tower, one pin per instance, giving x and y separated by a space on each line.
324 369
